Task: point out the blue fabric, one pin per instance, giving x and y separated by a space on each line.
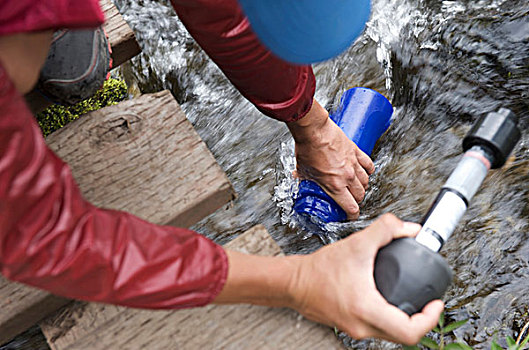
307 31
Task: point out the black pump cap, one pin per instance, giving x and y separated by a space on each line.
497 132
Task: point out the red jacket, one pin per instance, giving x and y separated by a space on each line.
51 238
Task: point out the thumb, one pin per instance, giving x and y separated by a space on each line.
387 228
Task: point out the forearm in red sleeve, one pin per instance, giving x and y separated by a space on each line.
51 238
22 16
278 89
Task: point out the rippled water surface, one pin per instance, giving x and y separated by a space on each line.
442 64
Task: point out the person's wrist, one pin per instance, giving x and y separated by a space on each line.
297 288
306 129
260 280
293 291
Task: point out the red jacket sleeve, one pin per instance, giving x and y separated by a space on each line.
278 89
18 16
51 238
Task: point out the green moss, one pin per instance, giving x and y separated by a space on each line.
56 116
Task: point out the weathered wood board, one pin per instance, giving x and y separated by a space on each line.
22 306
121 37
122 41
211 327
142 156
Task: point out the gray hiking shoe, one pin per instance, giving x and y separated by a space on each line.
78 64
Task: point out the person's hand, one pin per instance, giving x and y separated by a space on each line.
336 286
325 155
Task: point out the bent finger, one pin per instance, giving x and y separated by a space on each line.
365 161
368 331
362 175
363 330
347 202
357 190
398 326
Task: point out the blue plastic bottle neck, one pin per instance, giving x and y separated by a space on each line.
363 115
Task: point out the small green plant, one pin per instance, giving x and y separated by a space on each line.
57 116
511 344
442 330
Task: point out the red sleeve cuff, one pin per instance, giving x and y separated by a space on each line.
222 275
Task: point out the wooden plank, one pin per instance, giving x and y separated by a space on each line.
22 307
211 327
121 37
142 156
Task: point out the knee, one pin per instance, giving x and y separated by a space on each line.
77 65
22 56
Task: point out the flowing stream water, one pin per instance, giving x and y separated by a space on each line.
442 64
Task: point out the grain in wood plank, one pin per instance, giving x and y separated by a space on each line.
144 158
22 307
121 37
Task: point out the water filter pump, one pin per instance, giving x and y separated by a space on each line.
409 272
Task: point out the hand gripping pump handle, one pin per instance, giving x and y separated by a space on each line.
409 272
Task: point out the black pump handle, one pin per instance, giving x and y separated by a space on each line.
409 275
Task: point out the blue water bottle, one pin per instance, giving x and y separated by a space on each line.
364 115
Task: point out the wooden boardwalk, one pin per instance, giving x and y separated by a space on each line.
142 156
121 37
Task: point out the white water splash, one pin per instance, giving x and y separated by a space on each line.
286 186
388 19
